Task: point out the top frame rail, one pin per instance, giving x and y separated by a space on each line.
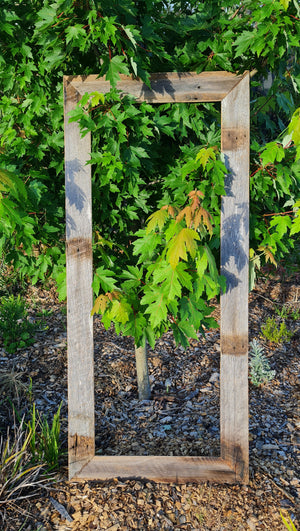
169 87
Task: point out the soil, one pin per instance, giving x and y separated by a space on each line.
182 418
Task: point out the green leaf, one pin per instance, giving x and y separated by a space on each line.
96 97
272 152
145 245
103 278
156 307
184 277
201 262
114 67
168 278
136 327
285 3
191 311
204 155
120 311
180 245
132 278
74 33
243 42
130 35
281 224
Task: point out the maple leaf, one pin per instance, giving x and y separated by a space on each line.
157 219
191 311
180 245
268 254
136 328
204 155
282 223
157 307
145 245
120 311
96 97
170 209
103 278
254 258
168 278
114 67
100 304
285 3
194 214
201 262
184 277
73 33
202 216
187 212
272 152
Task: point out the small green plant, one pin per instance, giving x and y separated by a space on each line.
288 313
44 443
272 333
282 312
288 524
295 315
18 476
15 328
260 371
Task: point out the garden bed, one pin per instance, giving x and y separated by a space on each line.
182 418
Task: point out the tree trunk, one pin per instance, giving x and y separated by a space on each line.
142 372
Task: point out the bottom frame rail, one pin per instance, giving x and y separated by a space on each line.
161 469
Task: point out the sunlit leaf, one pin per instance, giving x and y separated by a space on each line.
180 245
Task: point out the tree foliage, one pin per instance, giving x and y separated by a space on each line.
146 159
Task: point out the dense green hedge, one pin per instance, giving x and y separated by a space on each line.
140 153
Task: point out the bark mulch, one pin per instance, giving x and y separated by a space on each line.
182 418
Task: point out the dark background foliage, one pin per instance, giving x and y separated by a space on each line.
138 150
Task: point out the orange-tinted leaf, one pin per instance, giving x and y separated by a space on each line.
268 254
203 216
100 304
187 213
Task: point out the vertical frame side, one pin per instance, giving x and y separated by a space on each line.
235 267
81 429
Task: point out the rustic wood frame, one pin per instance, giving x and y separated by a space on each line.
232 465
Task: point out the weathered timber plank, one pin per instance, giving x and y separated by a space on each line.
162 469
79 292
234 266
165 87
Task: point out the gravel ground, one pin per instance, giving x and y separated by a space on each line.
182 418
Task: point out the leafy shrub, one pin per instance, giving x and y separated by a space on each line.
15 328
272 333
132 154
260 371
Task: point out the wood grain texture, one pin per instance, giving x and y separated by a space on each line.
79 291
162 469
234 266
165 87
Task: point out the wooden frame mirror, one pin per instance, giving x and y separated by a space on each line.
232 464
